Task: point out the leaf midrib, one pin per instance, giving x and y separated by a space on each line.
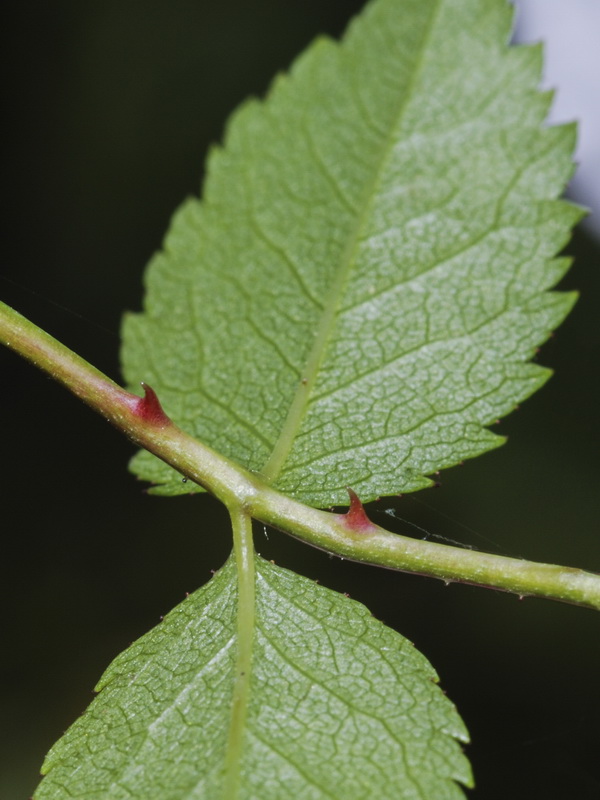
299 405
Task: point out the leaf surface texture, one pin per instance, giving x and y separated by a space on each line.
341 706
359 292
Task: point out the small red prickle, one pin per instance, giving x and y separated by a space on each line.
356 516
149 408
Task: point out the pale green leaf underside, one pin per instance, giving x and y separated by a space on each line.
359 292
341 706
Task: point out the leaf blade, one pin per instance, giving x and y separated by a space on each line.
121 746
340 706
357 740
376 225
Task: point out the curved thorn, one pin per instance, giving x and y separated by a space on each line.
356 516
149 408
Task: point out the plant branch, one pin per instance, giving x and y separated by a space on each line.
349 535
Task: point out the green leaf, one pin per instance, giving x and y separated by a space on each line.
360 290
340 706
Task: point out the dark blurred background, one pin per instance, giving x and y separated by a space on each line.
111 108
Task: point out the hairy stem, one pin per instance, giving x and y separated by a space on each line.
248 494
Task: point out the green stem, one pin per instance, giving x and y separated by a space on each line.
244 491
244 555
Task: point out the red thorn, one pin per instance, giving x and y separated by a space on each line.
149 408
356 516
